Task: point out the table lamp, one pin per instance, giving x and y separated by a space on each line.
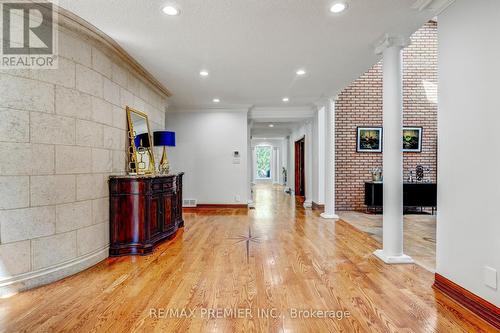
165 139
142 140
142 144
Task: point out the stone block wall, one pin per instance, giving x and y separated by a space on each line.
62 133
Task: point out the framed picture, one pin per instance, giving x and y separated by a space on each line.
369 140
412 139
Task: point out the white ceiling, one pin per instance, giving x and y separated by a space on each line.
280 130
283 119
251 48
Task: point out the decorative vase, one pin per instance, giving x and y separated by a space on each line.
376 175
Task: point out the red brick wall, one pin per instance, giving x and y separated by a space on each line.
360 104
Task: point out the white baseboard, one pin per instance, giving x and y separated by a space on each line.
402 259
329 216
13 284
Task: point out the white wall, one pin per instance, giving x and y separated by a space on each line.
205 143
284 160
468 227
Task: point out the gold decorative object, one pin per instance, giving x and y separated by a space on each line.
141 157
164 167
141 165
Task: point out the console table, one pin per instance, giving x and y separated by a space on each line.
414 195
144 211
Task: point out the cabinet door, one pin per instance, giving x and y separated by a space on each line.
127 219
168 212
374 194
155 219
178 206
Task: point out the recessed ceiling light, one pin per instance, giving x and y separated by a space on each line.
216 100
301 72
338 7
271 125
203 73
285 99
170 10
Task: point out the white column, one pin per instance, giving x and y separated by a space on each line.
392 143
273 164
321 155
289 163
329 212
276 165
250 201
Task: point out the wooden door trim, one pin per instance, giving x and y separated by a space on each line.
299 148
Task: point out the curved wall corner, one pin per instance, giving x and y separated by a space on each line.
62 133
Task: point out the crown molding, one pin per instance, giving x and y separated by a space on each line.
209 108
324 101
391 40
321 102
282 108
86 30
290 114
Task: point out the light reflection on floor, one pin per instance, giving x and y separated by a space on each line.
419 230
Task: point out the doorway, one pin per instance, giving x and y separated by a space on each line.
263 158
299 168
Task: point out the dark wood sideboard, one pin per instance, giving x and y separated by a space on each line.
414 195
144 211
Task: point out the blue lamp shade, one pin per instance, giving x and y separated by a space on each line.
145 140
164 138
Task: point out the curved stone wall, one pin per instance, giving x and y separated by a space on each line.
62 132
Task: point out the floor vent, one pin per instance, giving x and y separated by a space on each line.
189 203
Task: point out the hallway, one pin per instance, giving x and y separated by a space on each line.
277 258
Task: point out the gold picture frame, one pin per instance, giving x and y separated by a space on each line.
141 159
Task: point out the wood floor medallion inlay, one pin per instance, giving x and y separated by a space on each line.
247 239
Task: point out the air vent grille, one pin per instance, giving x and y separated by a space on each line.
189 203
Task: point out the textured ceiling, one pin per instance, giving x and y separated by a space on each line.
252 48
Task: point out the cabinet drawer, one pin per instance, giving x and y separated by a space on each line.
162 187
127 187
168 186
157 187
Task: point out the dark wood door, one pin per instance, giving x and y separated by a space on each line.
299 167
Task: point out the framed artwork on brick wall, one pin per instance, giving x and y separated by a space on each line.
369 140
412 139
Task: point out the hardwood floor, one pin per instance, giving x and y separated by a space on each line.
419 234
295 261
